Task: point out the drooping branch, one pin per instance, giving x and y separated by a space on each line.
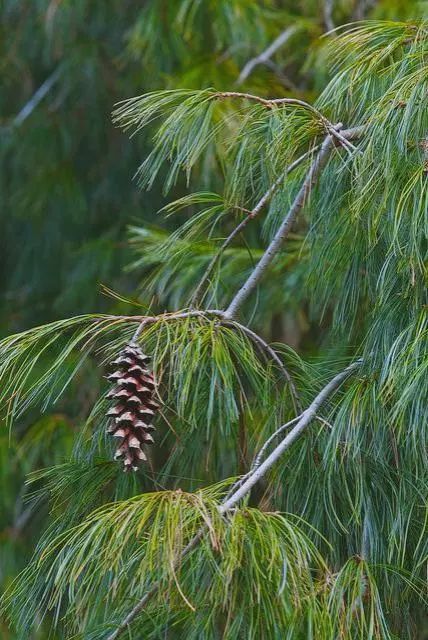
244 489
262 345
271 354
271 103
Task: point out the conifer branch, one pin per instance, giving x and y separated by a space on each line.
250 216
271 354
243 489
283 231
270 103
285 228
260 455
305 419
225 321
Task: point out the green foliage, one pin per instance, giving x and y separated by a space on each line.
40 363
121 548
332 541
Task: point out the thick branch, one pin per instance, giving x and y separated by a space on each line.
243 490
283 231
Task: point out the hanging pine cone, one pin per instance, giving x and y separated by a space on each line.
134 405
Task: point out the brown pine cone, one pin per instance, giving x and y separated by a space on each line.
134 405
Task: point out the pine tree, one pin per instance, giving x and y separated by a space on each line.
285 495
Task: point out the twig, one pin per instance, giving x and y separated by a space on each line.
243 490
258 459
251 215
283 231
271 353
271 103
38 96
266 55
217 313
261 454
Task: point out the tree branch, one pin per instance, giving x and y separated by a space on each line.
243 490
251 215
348 134
271 103
272 355
258 459
261 454
266 55
282 233
283 230
217 313
328 14
305 419
38 96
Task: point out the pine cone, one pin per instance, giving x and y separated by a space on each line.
134 405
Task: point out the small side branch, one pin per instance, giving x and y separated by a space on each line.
244 489
272 103
267 54
271 354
